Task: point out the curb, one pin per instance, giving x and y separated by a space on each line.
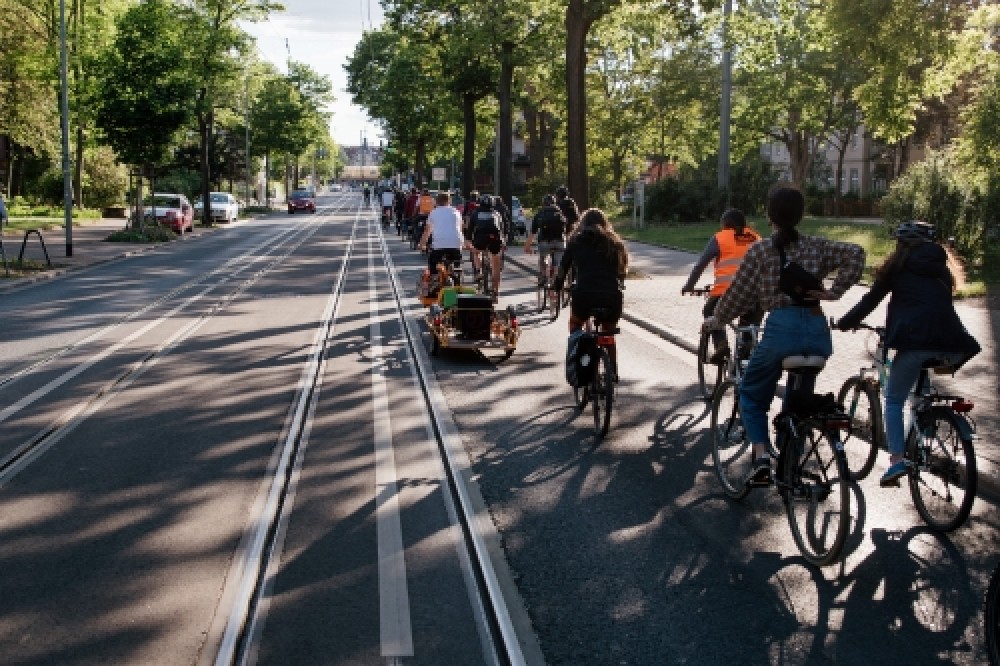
988 482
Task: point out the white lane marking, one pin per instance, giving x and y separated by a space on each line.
394 601
455 531
278 505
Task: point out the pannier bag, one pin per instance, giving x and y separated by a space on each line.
580 358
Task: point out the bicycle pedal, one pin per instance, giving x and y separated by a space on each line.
890 484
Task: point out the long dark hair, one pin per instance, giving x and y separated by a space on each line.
897 259
785 208
596 229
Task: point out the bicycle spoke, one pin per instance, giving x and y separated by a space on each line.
943 479
816 491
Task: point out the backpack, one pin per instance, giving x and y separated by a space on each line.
795 281
552 224
580 358
486 222
569 210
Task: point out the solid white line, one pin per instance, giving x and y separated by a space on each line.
394 601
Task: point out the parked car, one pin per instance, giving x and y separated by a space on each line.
336 187
518 218
170 210
225 208
301 200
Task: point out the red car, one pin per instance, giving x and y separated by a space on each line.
301 200
171 210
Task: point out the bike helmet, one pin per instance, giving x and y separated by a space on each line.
486 201
914 232
548 200
562 192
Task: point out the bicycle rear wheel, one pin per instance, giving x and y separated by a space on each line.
486 271
709 376
867 430
731 452
943 480
542 296
602 393
815 487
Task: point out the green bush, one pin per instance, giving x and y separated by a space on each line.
958 199
147 234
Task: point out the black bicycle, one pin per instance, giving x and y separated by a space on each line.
600 392
811 477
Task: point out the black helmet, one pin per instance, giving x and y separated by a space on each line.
548 200
562 192
914 232
486 201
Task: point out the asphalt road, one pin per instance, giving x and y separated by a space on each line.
170 381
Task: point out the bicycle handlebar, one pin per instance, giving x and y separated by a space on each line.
699 291
860 326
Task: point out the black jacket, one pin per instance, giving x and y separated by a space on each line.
596 271
920 315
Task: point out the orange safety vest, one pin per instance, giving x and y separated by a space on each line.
731 251
425 205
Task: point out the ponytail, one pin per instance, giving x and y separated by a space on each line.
785 208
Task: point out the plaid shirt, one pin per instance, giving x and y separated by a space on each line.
757 279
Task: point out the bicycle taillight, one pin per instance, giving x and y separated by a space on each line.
606 340
962 406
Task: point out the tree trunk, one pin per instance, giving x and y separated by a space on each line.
267 179
505 134
617 159
78 166
577 26
838 178
78 79
548 143
421 155
469 147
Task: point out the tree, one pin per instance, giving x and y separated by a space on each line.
145 90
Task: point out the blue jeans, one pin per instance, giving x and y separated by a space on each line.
903 376
788 331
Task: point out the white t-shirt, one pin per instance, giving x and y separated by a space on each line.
388 197
445 223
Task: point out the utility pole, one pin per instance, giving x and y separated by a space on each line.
64 112
726 109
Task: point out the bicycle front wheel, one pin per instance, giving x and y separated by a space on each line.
815 487
731 452
862 442
542 295
486 270
709 375
943 479
602 392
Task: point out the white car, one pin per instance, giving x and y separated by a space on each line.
225 208
518 218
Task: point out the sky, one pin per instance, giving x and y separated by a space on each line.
323 34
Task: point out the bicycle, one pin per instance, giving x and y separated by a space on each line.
991 618
600 392
483 275
811 474
710 375
861 393
941 473
549 298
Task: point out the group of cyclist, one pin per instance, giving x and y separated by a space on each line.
782 275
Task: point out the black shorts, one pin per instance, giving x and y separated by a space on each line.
584 302
488 240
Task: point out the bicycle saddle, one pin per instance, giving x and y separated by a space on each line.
800 362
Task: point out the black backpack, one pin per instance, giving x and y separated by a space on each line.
486 222
551 223
569 210
795 281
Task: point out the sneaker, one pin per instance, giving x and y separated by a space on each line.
761 475
894 474
719 356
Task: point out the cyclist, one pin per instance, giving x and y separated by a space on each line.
388 201
445 223
601 261
3 211
398 206
469 212
367 195
500 207
791 292
921 324
549 225
410 208
487 236
726 248
425 204
568 208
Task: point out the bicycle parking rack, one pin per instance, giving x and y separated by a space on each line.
24 243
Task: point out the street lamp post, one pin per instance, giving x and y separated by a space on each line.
64 112
726 106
